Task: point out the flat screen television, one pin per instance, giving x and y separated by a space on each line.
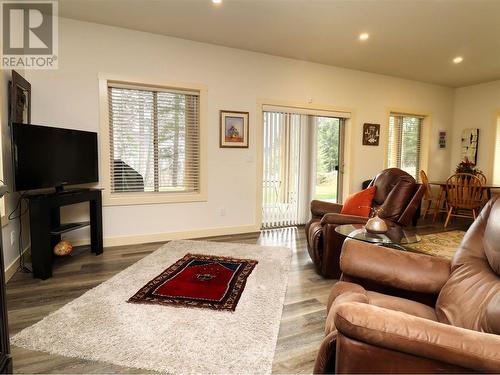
46 157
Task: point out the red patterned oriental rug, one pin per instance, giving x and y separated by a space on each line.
197 280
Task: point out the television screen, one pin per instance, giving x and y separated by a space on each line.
46 157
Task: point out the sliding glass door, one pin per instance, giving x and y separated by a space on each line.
328 167
302 161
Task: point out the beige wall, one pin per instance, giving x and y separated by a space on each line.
236 80
477 107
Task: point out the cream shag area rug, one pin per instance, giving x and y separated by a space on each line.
443 244
101 326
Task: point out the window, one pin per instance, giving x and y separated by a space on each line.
154 139
405 133
496 162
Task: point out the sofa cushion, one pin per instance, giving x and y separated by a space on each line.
491 240
469 297
401 304
464 299
397 200
385 182
492 315
359 203
343 292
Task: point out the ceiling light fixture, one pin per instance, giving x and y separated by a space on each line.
364 36
217 1
458 59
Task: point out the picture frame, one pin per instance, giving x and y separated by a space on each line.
19 100
442 139
469 144
233 129
371 134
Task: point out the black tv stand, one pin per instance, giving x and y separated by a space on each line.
59 188
46 228
71 191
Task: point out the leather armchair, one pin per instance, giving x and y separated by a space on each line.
401 312
399 196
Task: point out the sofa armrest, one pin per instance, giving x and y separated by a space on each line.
395 268
320 208
339 219
405 333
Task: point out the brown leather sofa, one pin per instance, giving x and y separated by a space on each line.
399 196
402 312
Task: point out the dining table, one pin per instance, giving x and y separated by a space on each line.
487 188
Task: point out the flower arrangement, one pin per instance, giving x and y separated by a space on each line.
467 166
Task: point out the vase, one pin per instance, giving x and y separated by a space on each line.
376 225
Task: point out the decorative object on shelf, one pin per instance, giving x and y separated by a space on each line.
442 139
376 224
467 166
470 140
233 129
371 134
19 100
63 248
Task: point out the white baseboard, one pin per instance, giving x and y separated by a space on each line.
167 236
11 269
148 238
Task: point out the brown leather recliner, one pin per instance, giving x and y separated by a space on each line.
399 196
401 312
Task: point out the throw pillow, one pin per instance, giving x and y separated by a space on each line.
359 204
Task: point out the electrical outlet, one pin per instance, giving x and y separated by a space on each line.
12 237
222 211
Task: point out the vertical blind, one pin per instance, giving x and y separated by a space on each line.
154 139
405 132
282 149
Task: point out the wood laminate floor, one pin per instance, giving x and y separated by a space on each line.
301 329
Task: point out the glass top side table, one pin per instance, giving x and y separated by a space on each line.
395 237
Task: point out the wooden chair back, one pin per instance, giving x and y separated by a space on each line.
482 177
425 181
464 190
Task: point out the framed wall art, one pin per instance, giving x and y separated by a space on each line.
233 129
442 139
470 140
19 100
371 134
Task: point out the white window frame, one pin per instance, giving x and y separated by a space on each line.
265 104
118 198
424 135
495 163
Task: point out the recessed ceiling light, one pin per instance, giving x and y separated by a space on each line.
458 59
364 36
217 1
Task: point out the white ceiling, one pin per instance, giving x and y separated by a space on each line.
413 39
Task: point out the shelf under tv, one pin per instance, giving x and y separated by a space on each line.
67 227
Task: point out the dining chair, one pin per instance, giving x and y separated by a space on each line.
485 195
481 177
464 192
429 197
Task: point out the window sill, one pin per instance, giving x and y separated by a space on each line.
126 199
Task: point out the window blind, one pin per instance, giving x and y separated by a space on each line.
405 133
154 139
